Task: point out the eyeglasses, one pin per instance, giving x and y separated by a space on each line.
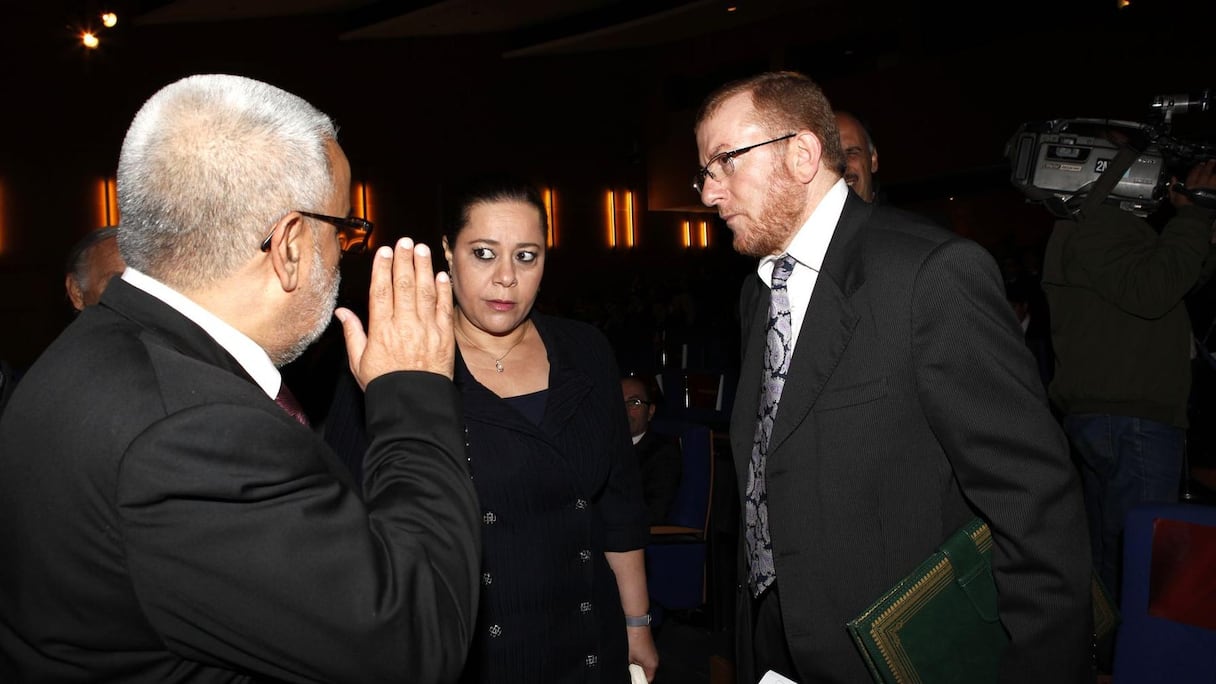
635 403
353 232
726 163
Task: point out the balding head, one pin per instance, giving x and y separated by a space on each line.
860 155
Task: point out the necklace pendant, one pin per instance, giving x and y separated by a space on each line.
498 366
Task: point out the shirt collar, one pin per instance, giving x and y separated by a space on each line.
248 353
810 243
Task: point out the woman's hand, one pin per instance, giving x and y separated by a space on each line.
642 650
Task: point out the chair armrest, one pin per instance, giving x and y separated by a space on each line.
676 534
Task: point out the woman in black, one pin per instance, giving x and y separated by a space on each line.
564 525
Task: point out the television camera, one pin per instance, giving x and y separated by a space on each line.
1059 162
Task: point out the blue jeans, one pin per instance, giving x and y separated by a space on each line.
1124 461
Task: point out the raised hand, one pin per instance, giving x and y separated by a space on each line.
409 319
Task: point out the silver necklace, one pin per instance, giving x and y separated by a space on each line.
498 361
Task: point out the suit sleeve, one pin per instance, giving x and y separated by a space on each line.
246 551
980 392
1136 270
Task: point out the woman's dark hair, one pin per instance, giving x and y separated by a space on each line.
494 187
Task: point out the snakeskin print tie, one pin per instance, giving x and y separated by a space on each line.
760 571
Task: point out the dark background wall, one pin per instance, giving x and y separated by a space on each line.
943 86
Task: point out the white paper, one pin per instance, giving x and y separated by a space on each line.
771 677
636 674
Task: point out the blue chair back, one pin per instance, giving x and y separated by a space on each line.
675 557
690 508
1168 606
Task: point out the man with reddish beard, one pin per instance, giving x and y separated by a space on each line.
885 398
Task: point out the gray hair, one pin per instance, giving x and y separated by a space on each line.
209 163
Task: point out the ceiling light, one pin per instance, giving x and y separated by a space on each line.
109 19
89 40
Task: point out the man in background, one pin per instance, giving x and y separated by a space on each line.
92 261
1123 344
885 399
659 456
860 155
167 517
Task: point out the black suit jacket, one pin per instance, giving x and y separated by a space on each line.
164 520
911 404
662 465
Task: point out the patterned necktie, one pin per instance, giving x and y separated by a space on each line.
778 347
291 405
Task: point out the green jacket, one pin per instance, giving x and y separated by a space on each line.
1120 330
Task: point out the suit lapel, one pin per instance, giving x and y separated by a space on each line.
828 325
754 314
825 333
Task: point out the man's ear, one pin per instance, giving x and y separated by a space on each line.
805 154
874 160
75 295
288 243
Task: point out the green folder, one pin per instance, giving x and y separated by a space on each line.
940 624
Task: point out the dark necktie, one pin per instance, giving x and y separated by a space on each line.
779 344
291 405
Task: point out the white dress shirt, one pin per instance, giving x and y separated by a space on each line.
808 247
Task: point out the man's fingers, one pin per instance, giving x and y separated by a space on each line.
424 280
356 339
380 293
403 274
443 299
410 316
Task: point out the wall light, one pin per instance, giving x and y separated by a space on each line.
107 202
630 233
361 206
3 223
617 208
694 233
610 215
549 196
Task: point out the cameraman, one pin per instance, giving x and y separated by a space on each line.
1122 338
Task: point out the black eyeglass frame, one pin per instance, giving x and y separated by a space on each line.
350 222
698 181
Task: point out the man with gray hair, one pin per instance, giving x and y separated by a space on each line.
165 520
